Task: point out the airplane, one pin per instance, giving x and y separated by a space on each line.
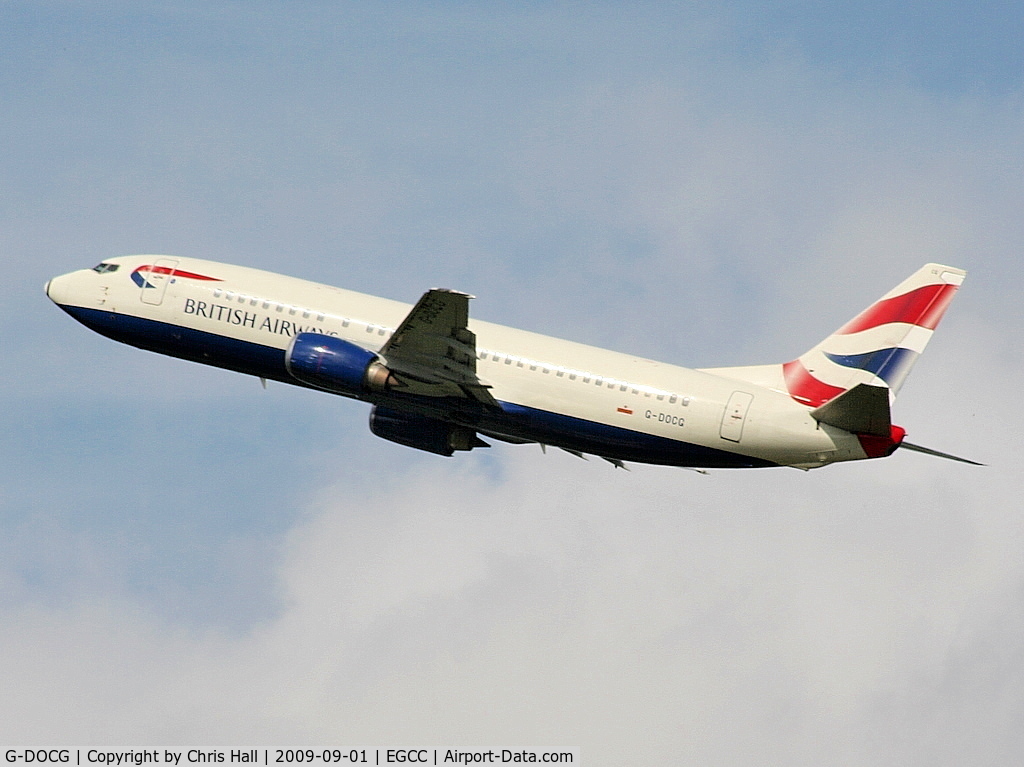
442 383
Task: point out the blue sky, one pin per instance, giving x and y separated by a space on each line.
183 554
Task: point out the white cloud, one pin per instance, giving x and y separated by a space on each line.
571 605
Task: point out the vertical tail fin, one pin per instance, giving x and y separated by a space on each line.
880 345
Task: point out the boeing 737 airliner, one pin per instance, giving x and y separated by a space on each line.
440 382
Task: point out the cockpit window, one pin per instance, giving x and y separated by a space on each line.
106 268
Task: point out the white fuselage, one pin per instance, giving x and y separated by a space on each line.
552 391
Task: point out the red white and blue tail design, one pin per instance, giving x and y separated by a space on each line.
879 346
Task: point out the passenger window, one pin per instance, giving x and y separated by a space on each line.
686 401
266 304
672 399
572 376
661 398
291 310
305 315
508 360
559 373
218 293
344 323
533 367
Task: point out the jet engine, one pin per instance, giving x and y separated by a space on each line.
337 365
421 432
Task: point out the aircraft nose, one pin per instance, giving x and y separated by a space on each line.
56 289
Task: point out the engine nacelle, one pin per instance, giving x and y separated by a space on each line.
421 432
334 364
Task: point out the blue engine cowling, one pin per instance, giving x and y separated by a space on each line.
332 363
421 432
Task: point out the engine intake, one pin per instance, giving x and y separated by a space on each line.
334 364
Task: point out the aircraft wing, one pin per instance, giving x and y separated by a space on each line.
433 351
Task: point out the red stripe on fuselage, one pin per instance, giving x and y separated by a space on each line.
176 272
923 307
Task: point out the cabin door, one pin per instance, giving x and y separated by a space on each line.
735 415
155 280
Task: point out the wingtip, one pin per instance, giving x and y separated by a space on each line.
453 291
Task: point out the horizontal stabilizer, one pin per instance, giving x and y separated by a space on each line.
864 409
929 451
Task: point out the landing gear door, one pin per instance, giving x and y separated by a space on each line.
735 415
154 280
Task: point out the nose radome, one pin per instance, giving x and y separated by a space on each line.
50 290
56 289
